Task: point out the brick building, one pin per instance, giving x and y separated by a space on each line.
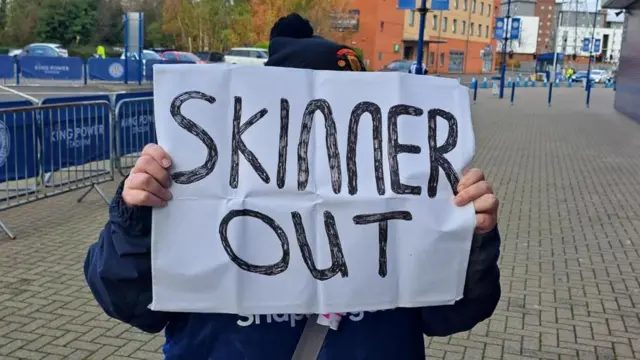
379 32
459 40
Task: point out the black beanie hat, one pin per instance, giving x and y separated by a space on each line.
294 45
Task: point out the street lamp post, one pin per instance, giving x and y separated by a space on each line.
592 45
422 10
503 68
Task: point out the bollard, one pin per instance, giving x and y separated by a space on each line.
550 92
589 84
513 93
475 92
85 73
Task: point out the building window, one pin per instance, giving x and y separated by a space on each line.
471 29
479 29
481 8
464 27
441 59
432 58
454 26
379 55
456 61
445 24
456 4
464 5
488 11
434 26
412 18
473 6
486 31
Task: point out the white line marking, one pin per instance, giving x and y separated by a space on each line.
30 98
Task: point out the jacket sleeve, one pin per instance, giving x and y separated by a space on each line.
118 267
481 293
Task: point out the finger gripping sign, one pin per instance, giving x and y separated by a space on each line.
299 191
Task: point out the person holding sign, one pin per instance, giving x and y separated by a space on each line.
118 267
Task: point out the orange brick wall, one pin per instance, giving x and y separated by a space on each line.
472 60
381 27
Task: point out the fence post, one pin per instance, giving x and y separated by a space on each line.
17 71
86 65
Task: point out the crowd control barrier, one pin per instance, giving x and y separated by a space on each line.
50 149
135 128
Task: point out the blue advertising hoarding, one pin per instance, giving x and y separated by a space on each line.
18 159
7 68
112 69
586 44
75 135
137 127
51 68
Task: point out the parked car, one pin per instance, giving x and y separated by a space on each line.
247 56
160 50
398 66
597 76
44 49
181 56
211 57
146 55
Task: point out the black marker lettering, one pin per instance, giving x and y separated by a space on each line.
396 148
202 171
383 226
436 153
338 263
269 270
331 142
238 145
284 142
352 168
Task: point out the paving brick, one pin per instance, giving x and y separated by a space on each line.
567 178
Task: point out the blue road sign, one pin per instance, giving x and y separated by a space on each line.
406 4
440 5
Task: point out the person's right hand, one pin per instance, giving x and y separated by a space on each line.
149 180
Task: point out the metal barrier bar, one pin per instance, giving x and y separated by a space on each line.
69 142
134 128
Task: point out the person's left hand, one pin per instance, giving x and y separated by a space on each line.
473 188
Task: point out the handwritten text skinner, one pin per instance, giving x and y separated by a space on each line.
394 148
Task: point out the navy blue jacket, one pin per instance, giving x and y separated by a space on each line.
118 271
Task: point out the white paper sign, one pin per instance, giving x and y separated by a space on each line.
301 191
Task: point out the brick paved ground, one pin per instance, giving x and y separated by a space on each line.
568 178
